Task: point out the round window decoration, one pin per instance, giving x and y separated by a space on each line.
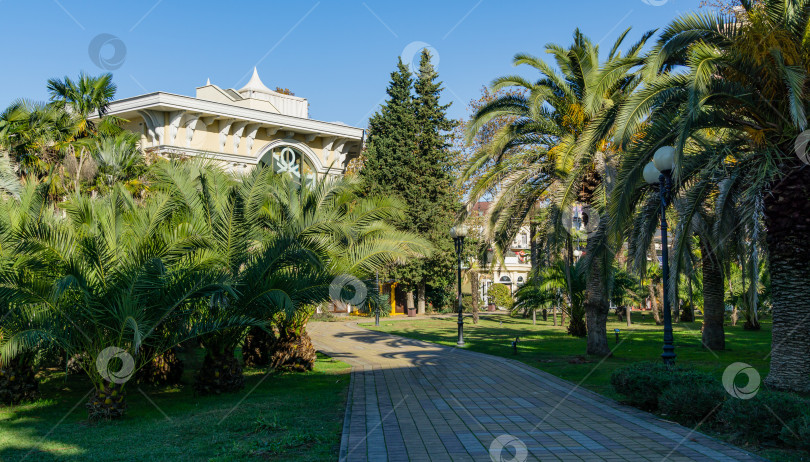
290 161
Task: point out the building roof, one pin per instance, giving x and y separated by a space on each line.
481 208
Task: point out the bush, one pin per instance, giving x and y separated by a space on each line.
689 403
797 432
501 296
642 384
759 420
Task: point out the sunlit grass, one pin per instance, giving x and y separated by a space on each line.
286 417
551 349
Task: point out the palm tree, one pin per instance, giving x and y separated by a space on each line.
117 156
559 140
352 235
282 244
33 134
17 375
87 97
741 83
103 282
542 291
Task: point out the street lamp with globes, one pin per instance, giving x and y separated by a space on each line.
458 233
659 172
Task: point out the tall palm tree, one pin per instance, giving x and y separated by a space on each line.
742 81
559 141
87 98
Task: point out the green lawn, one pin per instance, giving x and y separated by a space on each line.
551 349
286 417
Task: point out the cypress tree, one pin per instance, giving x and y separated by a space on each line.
407 155
432 199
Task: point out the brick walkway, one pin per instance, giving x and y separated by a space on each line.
413 400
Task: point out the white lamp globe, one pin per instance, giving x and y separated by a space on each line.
664 158
458 231
651 173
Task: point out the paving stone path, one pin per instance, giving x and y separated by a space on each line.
413 400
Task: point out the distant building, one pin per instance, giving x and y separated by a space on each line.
514 270
241 129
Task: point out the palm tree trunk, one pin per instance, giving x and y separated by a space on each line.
787 219
108 402
17 381
532 244
653 293
220 373
596 311
474 292
420 297
713 306
555 315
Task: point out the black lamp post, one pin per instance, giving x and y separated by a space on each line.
458 233
659 172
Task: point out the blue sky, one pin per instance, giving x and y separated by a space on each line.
338 54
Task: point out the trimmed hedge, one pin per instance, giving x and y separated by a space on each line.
691 404
760 419
643 384
688 396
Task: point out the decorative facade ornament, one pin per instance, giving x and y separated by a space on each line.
238 129
224 130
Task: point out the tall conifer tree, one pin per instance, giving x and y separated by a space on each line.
407 155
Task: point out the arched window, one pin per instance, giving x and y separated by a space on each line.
291 161
506 280
520 279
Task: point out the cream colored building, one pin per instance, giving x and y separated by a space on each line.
241 129
514 270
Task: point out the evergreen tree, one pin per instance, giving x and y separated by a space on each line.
407 155
432 199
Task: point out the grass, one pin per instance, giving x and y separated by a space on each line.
551 349
277 417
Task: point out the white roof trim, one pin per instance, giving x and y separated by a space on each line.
171 102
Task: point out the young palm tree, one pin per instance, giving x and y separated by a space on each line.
543 289
282 245
559 139
741 83
17 378
117 157
352 235
104 281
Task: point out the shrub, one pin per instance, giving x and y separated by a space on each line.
759 420
642 384
797 432
691 403
501 296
